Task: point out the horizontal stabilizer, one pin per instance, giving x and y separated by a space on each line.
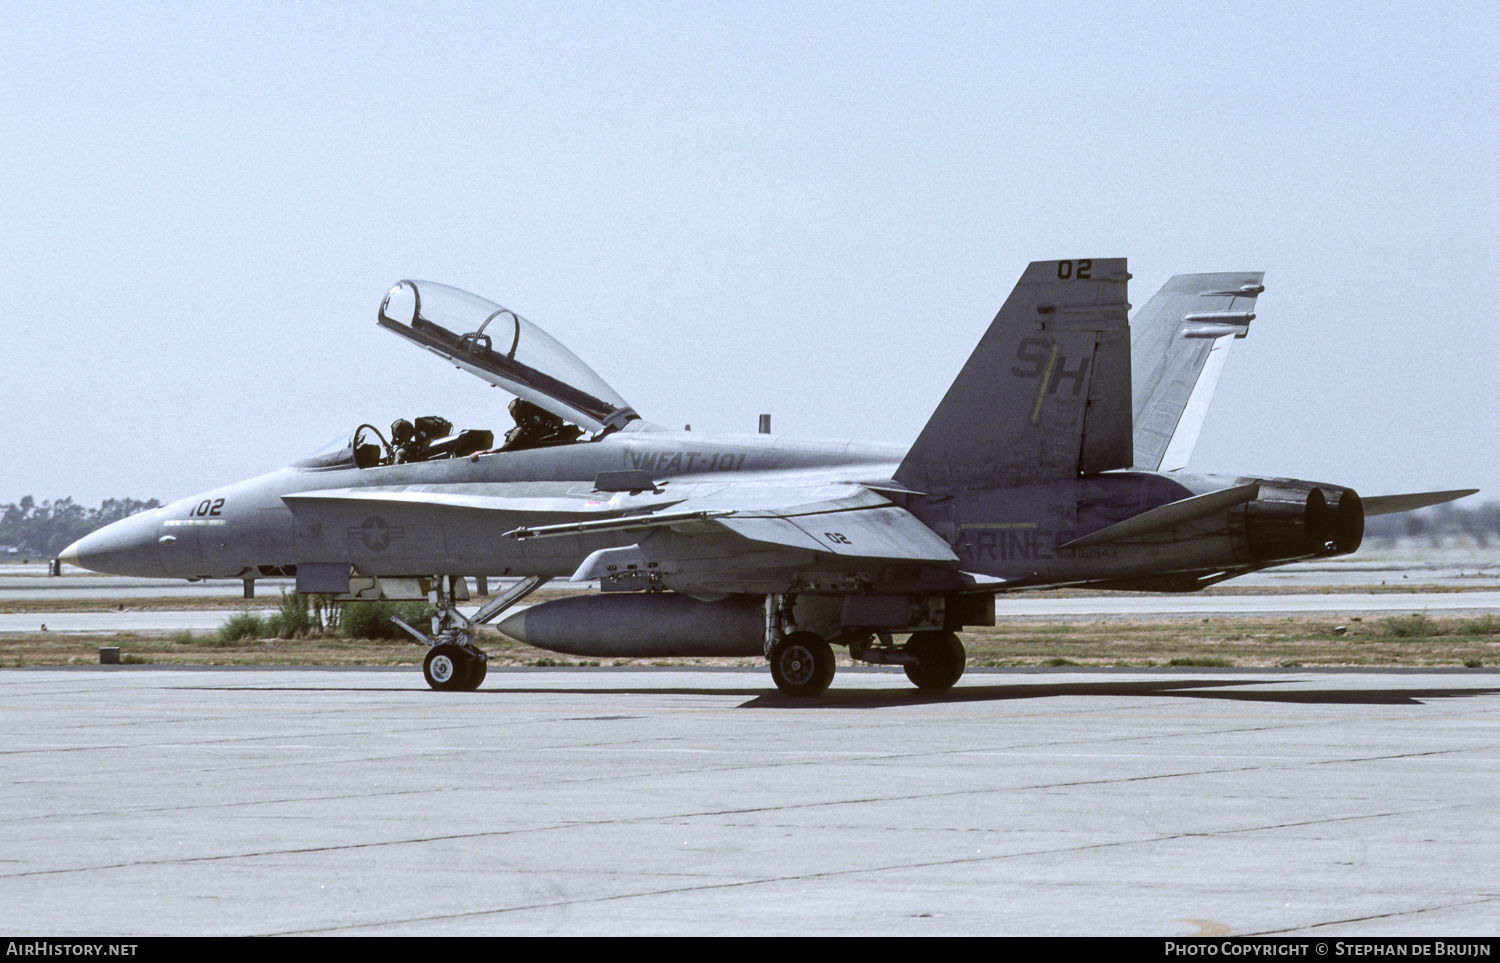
1392 504
1165 516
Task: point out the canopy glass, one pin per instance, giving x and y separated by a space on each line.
504 349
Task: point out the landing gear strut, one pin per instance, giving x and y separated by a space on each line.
801 661
454 663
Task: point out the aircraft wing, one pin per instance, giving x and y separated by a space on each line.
886 532
787 524
845 520
1178 345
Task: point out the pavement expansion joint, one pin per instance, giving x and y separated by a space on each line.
1395 914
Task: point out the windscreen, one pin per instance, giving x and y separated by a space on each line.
504 349
338 453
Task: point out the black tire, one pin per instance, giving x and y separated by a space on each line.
476 672
446 667
802 665
940 660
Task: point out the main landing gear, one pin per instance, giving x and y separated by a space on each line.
938 660
454 663
802 663
933 660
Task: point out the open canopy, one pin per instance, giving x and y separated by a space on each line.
503 348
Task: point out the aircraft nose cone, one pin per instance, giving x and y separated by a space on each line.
126 547
70 554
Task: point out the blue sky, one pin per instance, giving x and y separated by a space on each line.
812 210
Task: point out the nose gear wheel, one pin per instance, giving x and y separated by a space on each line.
448 668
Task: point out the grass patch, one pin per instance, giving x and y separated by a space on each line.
1245 642
293 618
1414 626
242 625
298 618
372 620
1206 662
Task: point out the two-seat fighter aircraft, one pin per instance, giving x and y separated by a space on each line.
1055 459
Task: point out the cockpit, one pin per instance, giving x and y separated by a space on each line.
558 400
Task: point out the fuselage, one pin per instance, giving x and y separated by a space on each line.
248 529
452 516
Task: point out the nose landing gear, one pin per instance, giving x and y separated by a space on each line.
450 668
454 663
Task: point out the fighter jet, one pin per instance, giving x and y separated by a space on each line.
1056 458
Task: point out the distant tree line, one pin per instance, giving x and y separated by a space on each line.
50 527
1481 523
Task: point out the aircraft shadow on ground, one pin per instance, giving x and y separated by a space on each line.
1192 689
850 698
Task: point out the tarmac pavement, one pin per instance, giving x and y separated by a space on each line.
147 800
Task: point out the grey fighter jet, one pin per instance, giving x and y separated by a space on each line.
1056 459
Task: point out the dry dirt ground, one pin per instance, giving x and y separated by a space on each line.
1411 640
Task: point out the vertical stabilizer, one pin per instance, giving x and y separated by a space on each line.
1179 343
1046 394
